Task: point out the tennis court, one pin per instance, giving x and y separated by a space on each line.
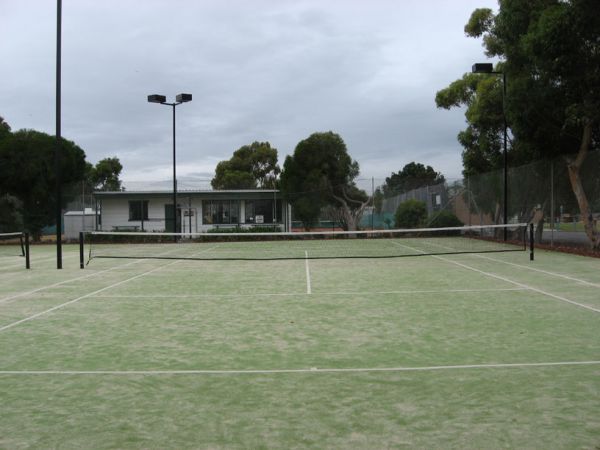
482 350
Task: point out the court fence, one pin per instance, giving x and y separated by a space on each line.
540 192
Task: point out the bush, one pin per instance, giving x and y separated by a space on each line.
411 214
443 219
253 229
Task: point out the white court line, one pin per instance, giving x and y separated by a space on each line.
22 294
498 277
308 288
288 294
35 259
560 275
60 283
62 305
312 370
546 272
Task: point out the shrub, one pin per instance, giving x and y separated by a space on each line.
443 219
411 214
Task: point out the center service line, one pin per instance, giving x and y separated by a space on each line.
308 289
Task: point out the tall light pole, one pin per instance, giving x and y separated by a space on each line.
179 99
58 150
489 68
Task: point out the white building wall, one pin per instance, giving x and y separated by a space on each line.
115 215
76 221
115 212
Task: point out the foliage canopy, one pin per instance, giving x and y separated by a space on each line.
251 166
321 173
550 54
27 173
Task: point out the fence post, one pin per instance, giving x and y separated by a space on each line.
531 235
81 258
27 260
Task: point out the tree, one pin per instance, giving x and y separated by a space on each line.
27 172
251 166
10 216
412 176
411 214
320 173
4 128
104 176
551 54
444 219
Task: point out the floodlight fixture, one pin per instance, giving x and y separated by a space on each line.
483 68
182 98
156 98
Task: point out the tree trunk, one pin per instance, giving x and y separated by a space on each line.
349 216
574 166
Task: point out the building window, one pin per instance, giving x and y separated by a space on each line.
138 210
263 211
220 212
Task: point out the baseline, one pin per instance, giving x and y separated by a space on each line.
312 370
298 294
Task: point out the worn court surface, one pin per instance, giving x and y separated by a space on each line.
454 351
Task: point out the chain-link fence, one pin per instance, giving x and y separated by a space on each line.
542 192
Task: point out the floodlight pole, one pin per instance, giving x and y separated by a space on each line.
57 151
489 68
179 99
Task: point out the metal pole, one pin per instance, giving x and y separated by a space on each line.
372 203
552 203
531 240
57 161
81 252
174 179
505 155
27 259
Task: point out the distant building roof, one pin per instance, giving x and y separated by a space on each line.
233 193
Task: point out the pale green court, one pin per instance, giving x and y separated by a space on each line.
447 351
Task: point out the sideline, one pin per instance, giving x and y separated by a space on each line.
62 305
498 277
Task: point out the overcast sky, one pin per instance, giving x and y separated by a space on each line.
272 71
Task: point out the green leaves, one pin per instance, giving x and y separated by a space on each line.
320 173
105 175
480 22
412 176
27 171
251 166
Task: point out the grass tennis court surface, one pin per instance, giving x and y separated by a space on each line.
447 351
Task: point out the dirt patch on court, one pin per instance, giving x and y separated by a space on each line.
582 251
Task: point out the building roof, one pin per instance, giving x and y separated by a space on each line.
231 193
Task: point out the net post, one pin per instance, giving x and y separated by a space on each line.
531 242
81 257
27 260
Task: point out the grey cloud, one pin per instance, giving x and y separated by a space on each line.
265 70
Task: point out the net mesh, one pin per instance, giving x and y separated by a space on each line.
306 245
12 244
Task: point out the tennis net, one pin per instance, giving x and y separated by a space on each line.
303 245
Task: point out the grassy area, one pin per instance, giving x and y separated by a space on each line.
453 351
570 226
